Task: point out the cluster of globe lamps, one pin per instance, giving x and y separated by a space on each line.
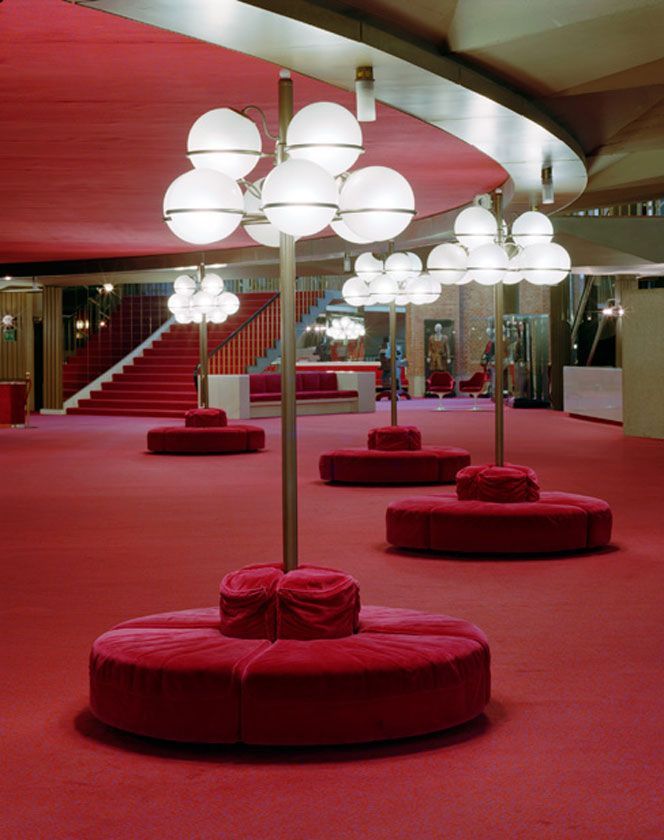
202 299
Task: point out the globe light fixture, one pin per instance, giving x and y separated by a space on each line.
475 226
255 222
532 228
447 263
225 141
377 203
545 264
327 134
422 289
345 329
341 229
212 284
185 285
487 264
203 206
356 292
299 197
513 275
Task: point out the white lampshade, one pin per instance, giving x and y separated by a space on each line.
341 229
229 302
422 290
532 228
212 284
514 274
183 317
203 206
403 265
368 265
355 291
464 280
217 315
447 263
487 264
475 226
178 303
545 264
383 288
202 303
377 203
258 227
327 134
299 197
225 141
185 285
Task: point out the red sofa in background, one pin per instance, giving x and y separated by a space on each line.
288 660
266 387
394 455
499 510
205 432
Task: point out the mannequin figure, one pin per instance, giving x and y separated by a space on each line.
438 350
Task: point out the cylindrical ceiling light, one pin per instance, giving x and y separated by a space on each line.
203 206
365 97
225 141
327 134
377 203
299 197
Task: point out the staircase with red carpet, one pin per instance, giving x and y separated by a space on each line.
160 382
135 318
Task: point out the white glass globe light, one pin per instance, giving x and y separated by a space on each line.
183 317
487 264
229 302
258 227
513 275
178 303
185 285
532 228
212 284
217 315
202 303
299 197
327 134
447 263
355 291
377 203
475 226
464 280
225 141
368 265
203 206
341 229
422 290
384 288
545 264
402 265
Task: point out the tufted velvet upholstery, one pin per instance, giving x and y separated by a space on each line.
389 438
488 483
201 440
205 417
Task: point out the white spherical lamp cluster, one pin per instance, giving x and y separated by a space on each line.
345 329
193 300
477 256
398 279
299 197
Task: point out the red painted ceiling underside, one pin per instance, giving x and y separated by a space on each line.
94 117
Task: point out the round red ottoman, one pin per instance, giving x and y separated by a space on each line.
205 440
394 456
499 511
377 673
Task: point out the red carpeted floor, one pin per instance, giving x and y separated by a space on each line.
95 531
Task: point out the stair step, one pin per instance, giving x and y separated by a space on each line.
126 412
165 404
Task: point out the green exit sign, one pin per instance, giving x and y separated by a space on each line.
9 335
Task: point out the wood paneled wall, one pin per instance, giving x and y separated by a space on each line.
17 357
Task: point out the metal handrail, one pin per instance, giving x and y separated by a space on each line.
236 332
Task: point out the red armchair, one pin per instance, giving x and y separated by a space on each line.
440 382
474 386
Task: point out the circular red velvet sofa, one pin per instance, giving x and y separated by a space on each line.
205 431
499 510
286 660
394 456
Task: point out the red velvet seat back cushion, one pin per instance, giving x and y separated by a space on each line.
328 381
486 483
441 379
390 438
273 383
315 603
206 417
247 602
257 383
308 382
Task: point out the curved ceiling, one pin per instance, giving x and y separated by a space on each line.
95 115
